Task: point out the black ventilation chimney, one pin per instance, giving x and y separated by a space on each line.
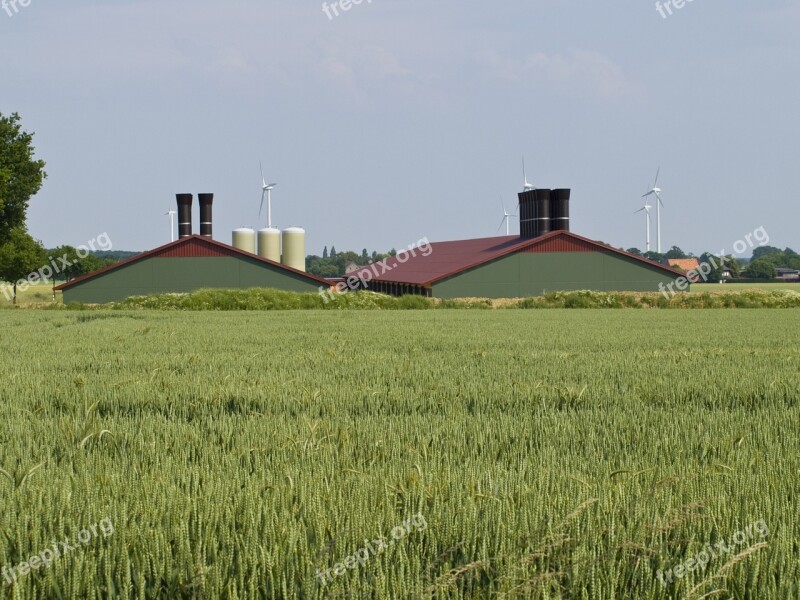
526 214
206 222
541 203
184 215
559 210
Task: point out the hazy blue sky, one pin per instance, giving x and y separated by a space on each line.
400 120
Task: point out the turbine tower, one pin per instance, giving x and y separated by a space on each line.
171 214
646 208
527 186
656 191
266 190
506 214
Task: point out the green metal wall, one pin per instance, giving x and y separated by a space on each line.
535 274
161 275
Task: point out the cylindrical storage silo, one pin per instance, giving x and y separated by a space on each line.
559 210
542 210
244 239
269 244
294 248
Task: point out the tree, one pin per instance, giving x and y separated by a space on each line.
791 259
676 252
761 268
719 265
333 252
20 258
364 255
325 252
654 256
635 251
69 255
20 175
763 251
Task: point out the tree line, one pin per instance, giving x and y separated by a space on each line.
334 264
764 263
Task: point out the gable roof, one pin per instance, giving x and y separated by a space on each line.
194 246
446 259
686 264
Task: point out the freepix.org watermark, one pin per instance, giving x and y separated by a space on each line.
57 265
760 236
702 558
332 10
11 7
665 8
58 549
373 548
363 276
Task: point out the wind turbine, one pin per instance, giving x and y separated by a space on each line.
527 186
171 214
506 214
656 191
266 189
646 209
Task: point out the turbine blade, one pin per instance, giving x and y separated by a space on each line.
501 225
658 172
263 193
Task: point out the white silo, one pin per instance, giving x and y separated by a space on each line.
244 239
269 243
294 248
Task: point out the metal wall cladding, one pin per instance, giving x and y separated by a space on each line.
184 215
206 219
186 274
525 274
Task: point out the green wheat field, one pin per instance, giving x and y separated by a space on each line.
549 454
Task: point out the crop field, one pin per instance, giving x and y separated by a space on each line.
583 454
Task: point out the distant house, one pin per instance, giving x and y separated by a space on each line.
351 267
685 265
787 274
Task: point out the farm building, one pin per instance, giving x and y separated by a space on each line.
545 257
511 267
188 264
198 261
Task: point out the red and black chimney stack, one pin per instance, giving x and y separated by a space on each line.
543 211
184 215
206 222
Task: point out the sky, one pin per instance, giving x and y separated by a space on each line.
402 120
